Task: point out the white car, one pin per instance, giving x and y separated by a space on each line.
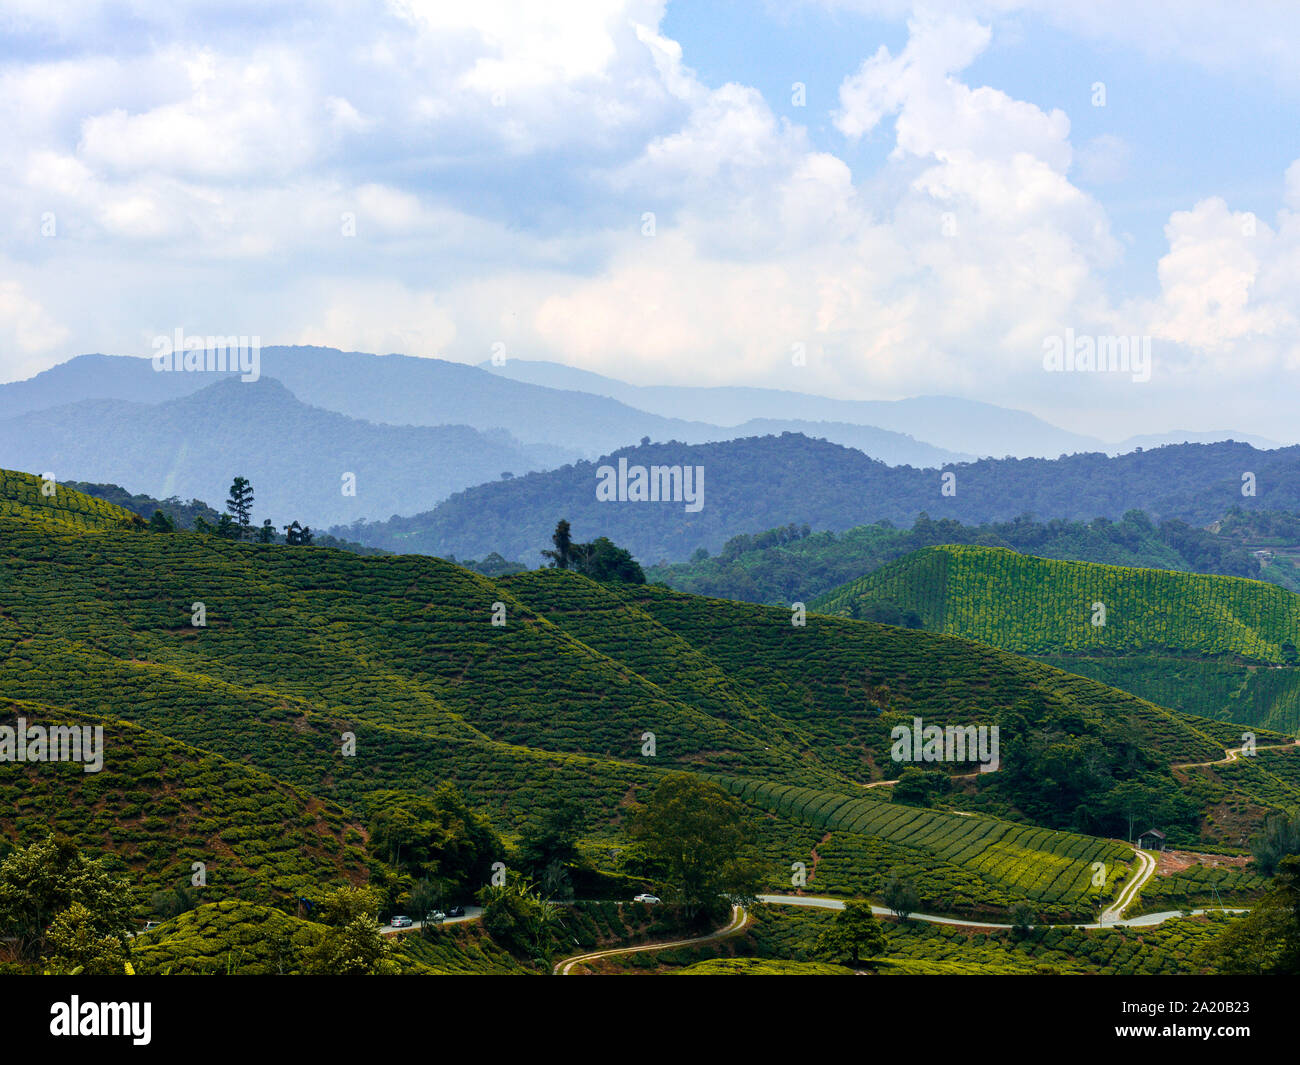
400 922
645 897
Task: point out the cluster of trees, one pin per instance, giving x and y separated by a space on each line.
601 560
1267 940
173 514
853 937
884 612
747 542
690 839
1278 527
522 919
236 523
353 945
178 513
921 787
174 901
789 562
1278 840
438 851
429 851
65 912
1060 773
494 565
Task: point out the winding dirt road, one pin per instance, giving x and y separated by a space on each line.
740 920
1231 754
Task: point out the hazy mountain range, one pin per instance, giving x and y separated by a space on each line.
296 456
967 427
415 430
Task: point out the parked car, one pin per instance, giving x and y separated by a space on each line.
646 897
400 922
149 926
455 911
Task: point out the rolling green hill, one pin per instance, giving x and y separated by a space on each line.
160 805
23 495
1222 647
227 738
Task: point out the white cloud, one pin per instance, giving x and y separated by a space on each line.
26 327
239 118
952 270
940 117
498 158
1254 39
1219 288
378 316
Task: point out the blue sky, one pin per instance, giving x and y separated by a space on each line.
947 202
1187 129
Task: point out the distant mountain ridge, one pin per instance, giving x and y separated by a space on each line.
968 428
766 482
296 455
422 428
959 425
406 390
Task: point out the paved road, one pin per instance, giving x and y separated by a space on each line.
471 912
740 920
1230 755
820 902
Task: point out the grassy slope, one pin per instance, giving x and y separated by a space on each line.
832 671
303 644
23 495
1040 606
158 805
1209 645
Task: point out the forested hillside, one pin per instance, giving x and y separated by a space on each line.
772 482
791 564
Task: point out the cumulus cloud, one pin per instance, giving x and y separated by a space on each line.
26 329
431 178
981 246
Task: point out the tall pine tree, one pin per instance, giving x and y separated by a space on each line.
240 505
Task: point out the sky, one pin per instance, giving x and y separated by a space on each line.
859 198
